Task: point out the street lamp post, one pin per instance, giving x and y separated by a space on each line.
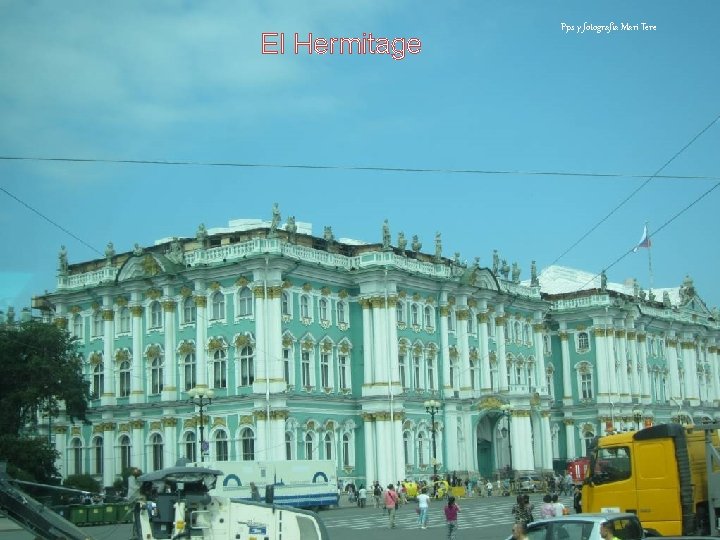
432 406
507 413
202 397
637 416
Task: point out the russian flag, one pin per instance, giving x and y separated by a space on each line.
644 241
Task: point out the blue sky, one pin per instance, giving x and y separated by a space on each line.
497 86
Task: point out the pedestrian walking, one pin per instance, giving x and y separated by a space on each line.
377 493
521 510
451 515
577 500
362 496
423 506
489 488
560 509
391 504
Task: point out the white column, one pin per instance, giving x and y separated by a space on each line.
452 460
108 315
501 357
623 369
201 323
392 344
538 328
566 368
60 434
644 374
482 322
137 379
462 313
690 362
602 366
370 448
261 339
397 432
445 349
138 453
713 361
170 392
631 344
109 460
570 438
612 364
379 344
672 363
170 442
367 345
547 450
523 459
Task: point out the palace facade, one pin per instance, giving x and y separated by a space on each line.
325 348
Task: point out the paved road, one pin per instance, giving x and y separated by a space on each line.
489 518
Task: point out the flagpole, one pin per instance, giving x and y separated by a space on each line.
649 249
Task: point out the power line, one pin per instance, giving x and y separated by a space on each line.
636 190
26 205
352 168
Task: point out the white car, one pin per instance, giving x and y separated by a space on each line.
585 527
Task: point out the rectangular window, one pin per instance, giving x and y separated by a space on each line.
305 368
342 371
324 370
286 365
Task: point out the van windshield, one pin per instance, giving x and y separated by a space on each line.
610 464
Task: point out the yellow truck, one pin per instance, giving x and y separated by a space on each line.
668 475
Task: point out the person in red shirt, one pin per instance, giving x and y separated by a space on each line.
391 502
451 513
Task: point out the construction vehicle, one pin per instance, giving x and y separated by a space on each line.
668 475
175 503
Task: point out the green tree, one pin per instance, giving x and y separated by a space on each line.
40 367
84 482
41 370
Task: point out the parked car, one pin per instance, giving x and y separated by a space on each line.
586 527
529 483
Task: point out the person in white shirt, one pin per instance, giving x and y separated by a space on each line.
423 505
558 506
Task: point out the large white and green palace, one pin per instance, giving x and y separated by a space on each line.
324 348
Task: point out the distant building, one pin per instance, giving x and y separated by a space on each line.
324 348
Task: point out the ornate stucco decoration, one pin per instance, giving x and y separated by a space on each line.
308 344
241 282
137 423
287 284
186 292
325 291
454 352
169 421
95 306
156 426
122 355
287 341
153 293
75 310
95 358
150 266
153 351
343 293
307 287
215 344
416 297
327 346
472 302
219 422
402 293
215 286
186 347
432 351
121 301
430 301
242 341
345 347
489 403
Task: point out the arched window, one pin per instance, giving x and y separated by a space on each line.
402 366
156 376
78 326
156 442
329 445
125 379
400 312
76 456
247 369
585 380
98 326
415 315
220 369
98 381
245 303
407 448
124 321
124 452
305 306
218 306
190 446
323 309
189 364
583 341
247 440
289 446
97 445
221 446
155 315
428 317
421 449
309 447
341 313
285 304
346 449
189 310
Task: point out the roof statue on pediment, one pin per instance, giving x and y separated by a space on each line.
62 261
175 252
687 290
